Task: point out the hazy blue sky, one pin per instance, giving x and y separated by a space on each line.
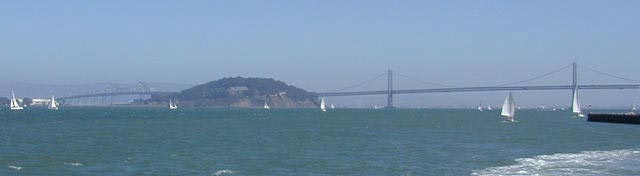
317 45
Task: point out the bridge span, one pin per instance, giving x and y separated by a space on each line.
407 91
106 94
481 89
574 86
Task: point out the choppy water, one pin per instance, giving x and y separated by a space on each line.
155 141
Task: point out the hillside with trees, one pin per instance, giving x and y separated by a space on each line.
239 92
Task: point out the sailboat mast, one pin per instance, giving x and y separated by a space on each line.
14 102
575 103
508 108
322 105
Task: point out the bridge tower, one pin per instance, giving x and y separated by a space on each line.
389 89
574 84
142 87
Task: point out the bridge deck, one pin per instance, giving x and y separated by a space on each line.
409 91
114 94
479 89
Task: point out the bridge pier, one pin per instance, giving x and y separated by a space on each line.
574 83
575 75
390 89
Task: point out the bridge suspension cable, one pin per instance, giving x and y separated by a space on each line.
608 74
360 84
423 82
536 77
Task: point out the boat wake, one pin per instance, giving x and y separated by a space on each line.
223 172
15 167
616 162
73 164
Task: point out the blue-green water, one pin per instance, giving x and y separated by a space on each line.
156 141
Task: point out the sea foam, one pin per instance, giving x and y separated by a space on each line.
15 167
616 162
73 164
223 172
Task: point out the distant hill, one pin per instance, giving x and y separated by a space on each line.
241 92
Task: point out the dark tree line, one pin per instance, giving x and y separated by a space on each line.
256 87
26 101
5 101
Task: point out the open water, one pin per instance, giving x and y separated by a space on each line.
201 141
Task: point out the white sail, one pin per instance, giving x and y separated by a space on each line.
172 105
322 105
575 105
14 102
480 108
266 106
52 103
332 106
489 108
508 108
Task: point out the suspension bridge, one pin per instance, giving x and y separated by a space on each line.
139 91
390 91
502 87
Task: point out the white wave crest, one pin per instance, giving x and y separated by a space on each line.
15 167
223 172
616 162
73 164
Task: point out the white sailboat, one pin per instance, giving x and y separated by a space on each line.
322 105
332 106
14 102
172 105
575 105
52 103
480 108
489 108
266 106
508 108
